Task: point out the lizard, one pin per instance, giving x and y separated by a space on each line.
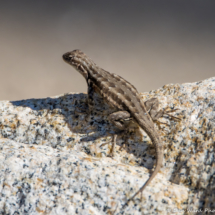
122 95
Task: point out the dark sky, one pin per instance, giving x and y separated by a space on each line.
149 43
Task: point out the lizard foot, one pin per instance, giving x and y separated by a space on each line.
112 151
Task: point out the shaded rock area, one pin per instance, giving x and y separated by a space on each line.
52 161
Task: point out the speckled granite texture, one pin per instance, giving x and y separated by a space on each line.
51 161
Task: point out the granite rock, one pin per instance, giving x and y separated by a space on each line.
52 161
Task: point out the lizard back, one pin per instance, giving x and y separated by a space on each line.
120 94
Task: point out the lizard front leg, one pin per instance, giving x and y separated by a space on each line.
89 101
90 92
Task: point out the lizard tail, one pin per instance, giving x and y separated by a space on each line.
159 157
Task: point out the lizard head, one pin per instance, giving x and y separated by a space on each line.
79 61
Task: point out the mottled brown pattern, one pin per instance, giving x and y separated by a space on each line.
121 95
120 91
113 85
105 80
124 82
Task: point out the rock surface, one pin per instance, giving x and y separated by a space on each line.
51 161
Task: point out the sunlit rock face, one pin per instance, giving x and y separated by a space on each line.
52 161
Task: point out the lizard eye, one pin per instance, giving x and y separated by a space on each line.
70 58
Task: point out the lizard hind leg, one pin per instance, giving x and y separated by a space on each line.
121 120
152 108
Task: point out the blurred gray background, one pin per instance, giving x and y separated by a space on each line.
149 43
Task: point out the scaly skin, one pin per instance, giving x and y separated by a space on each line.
121 95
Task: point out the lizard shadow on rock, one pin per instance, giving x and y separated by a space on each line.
93 126
72 107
